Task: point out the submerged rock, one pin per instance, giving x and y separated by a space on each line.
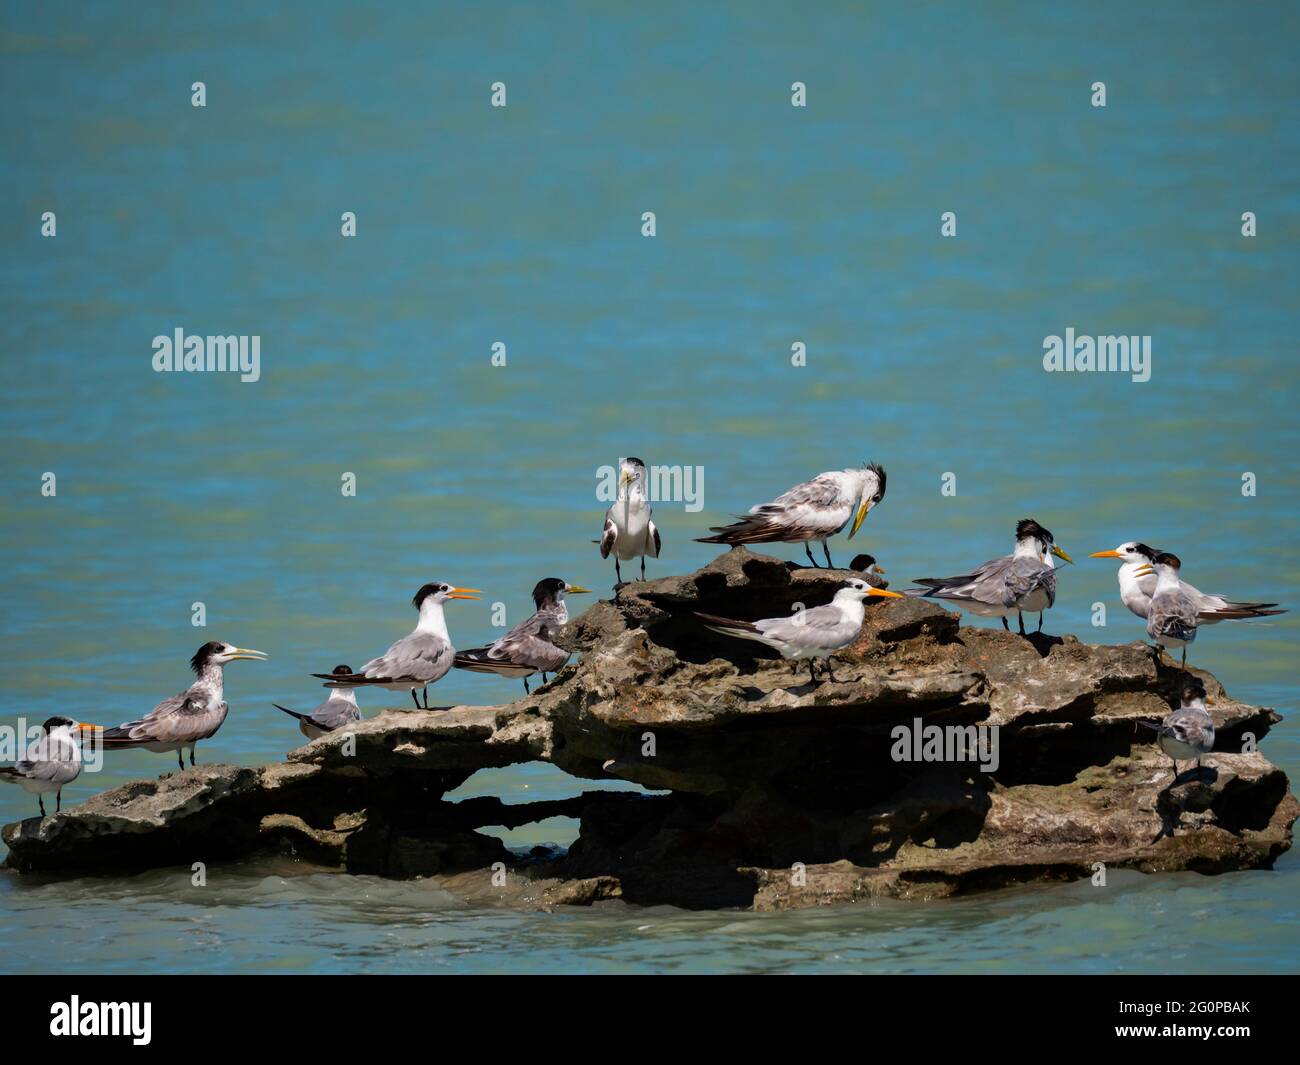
780 792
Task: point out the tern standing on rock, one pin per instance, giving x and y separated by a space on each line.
528 648
815 633
629 532
51 762
1172 620
1136 591
810 512
416 660
1024 580
193 715
336 711
1189 731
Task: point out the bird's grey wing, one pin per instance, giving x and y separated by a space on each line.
529 644
51 763
818 627
808 511
143 728
334 713
1026 575
1172 614
609 535
1191 726
986 584
421 656
652 537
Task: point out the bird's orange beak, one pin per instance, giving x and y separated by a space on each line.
462 593
886 593
1105 554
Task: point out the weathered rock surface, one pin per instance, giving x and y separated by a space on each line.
781 792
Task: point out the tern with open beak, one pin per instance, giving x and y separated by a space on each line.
193 715
416 660
52 761
339 709
809 513
1136 591
1172 620
628 531
1024 580
817 632
529 647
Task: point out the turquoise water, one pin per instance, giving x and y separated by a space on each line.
522 225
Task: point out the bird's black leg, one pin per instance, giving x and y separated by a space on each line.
1184 657
643 567
41 800
426 697
1005 623
526 691
810 671
180 756
1021 616
827 550
1040 621
810 555
58 795
415 699
191 756
618 573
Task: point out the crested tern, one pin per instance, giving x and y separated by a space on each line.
817 632
192 715
339 709
416 660
528 648
1024 580
870 569
51 762
1172 620
810 512
1136 591
1188 732
628 531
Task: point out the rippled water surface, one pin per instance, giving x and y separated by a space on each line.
522 225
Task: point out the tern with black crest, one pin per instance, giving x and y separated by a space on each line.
628 531
190 716
529 647
416 660
51 762
1024 580
817 632
1172 618
809 513
339 709
1188 732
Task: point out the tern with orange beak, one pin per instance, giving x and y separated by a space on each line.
814 633
809 513
1136 591
192 715
1024 580
417 660
51 762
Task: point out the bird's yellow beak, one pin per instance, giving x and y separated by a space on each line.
86 726
249 653
1105 554
860 517
885 593
1143 570
462 593
575 589
880 568
1061 554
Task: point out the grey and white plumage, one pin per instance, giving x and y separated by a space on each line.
339 709
629 531
813 511
529 647
1188 732
1136 591
817 632
870 569
51 762
1171 619
419 659
1024 580
195 714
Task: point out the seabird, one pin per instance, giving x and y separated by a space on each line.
51 762
1188 732
414 661
1171 620
529 647
629 532
337 710
1136 591
810 512
193 715
1024 580
870 569
814 633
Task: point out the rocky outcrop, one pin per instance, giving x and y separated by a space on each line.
776 791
